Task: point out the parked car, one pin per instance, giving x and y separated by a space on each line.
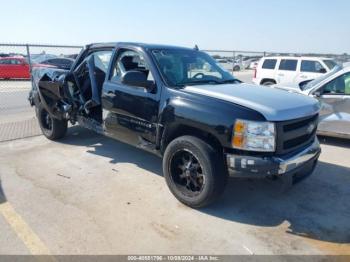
38 58
253 65
205 125
14 68
291 71
249 62
18 67
333 92
59 62
230 64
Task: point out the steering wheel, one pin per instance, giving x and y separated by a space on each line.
199 74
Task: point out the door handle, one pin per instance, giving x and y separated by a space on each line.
303 76
280 74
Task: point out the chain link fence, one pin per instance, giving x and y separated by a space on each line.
17 118
236 61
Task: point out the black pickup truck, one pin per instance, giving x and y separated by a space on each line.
180 104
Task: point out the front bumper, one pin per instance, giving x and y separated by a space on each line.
250 166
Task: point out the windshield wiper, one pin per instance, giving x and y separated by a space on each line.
212 81
233 81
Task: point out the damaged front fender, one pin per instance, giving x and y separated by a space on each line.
48 88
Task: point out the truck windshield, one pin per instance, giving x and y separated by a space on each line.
190 67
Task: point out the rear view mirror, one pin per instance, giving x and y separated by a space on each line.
323 71
137 79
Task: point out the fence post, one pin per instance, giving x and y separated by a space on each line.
233 61
29 60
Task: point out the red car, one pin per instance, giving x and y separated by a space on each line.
16 68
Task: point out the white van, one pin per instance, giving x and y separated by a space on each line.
291 71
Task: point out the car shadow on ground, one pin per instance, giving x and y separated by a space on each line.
317 208
116 151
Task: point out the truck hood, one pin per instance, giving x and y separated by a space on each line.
287 88
273 104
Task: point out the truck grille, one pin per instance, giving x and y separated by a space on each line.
295 134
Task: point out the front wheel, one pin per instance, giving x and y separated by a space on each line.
51 127
194 171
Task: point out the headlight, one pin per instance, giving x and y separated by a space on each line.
254 136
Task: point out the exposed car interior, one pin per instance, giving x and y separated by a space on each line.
340 85
130 61
88 78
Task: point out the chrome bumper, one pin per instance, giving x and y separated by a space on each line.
304 156
249 166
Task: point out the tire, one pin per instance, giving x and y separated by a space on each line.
206 169
52 128
268 83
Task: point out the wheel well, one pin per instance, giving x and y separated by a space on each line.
183 130
267 80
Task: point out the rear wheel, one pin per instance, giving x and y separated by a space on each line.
194 171
268 83
236 68
51 127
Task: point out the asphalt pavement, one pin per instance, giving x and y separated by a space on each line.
88 194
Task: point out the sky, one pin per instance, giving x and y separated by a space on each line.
320 26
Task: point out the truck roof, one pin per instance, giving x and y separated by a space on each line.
299 57
142 45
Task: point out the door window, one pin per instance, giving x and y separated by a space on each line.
130 60
269 64
288 64
338 86
311 66
101 59
5 61
330 64
16 62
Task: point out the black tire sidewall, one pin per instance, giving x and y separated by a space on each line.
212 167
40 111
268 83
59 127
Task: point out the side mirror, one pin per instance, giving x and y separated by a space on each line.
323 71
317 94
137 79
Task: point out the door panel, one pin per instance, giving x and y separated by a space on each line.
335 114
287 72
335 106
4 71
309 70
130 113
